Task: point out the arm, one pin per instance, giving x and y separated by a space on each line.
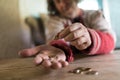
102 43
100 37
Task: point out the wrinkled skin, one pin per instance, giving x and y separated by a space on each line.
78 36
47 56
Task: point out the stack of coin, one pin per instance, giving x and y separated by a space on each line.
84 70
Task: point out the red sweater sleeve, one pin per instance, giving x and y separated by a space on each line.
102 42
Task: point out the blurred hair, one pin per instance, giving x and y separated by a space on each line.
52 9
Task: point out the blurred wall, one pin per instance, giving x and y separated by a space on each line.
32 7
13 36
114 6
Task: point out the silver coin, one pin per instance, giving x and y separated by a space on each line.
83 69
92 73
88 69
77 71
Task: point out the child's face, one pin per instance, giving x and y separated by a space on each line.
66 8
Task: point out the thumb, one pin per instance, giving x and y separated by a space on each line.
29 52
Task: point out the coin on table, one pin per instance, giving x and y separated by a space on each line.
87 69
92 73
77 71
84 69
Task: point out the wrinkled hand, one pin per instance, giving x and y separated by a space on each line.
47 56
78 36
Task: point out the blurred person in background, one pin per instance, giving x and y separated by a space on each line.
76 31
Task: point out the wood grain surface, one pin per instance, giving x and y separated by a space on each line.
108 67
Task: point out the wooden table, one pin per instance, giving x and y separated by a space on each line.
108 67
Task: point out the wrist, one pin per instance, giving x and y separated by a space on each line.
64 47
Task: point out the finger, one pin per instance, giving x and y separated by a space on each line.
40 57
64 32
69 29
74 35
38 60
56 65
29 52
60 57
46 63
64 63
82 47
78 41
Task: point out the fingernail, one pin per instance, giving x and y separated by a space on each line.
21 53
38 60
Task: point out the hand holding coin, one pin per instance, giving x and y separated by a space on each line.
47 56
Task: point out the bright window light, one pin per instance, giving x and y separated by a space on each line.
89 5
